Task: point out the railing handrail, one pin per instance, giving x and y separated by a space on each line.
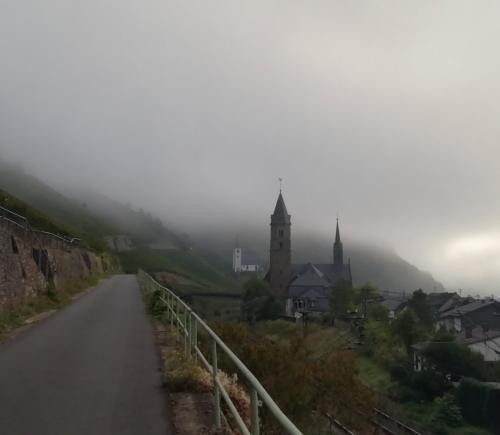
255 385
57 236
27 226
14 214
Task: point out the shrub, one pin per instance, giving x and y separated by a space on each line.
182 374
447 412
417 386
154 304
480 402
454 359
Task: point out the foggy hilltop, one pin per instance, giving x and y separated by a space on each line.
104 216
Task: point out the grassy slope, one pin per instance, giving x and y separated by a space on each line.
90 221
374 376
36 218
141 226
182 262
58 207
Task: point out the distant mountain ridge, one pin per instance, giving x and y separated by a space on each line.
380 266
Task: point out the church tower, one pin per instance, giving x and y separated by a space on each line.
338 251
280 249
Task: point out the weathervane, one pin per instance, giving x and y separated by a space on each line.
281 183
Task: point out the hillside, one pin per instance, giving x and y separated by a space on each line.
56 206
190 271
93 216
140 225
88 216
379 265
35 218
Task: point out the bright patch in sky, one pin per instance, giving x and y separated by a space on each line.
473 245
470 262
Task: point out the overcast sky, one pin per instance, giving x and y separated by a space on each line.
385 112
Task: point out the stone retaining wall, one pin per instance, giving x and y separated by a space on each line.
29 264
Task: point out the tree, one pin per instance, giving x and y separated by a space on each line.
302 384
381 344
341 297
364 295
420 305
258 301
378 313
450 358
406 327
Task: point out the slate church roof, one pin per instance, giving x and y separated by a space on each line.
280 215
317 277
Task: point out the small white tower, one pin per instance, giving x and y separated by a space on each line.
237 259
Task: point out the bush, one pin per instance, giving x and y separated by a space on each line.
430 383
182 374
455 360
154 304
480 402
258 301
417 386
447 412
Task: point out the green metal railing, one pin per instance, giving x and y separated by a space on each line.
22 222
188 323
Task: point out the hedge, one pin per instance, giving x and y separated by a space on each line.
480 403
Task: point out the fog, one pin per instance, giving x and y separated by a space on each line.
384 113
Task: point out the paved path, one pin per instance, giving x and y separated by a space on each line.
90 369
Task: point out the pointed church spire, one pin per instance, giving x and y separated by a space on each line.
337 233
280 215
338 250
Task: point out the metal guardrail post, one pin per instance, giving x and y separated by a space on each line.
177 314
216 387
185 332
254 409
190 343
171 311
195 338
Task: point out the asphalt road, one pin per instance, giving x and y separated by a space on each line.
91 369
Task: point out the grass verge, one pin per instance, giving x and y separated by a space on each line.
11 319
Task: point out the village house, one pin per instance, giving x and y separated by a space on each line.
474 324
480 312
485 342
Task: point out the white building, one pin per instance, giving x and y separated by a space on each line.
238 265
237 260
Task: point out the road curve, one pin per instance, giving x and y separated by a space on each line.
90 369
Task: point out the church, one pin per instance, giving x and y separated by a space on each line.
305 288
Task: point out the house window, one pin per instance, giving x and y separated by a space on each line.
281 244
299 304
280 233
312 303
